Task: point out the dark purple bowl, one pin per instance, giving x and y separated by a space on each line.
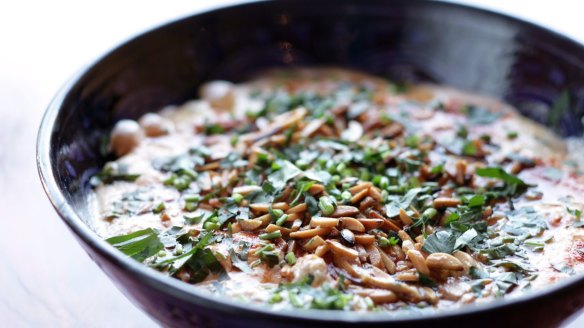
538 71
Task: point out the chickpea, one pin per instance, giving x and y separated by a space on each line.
154 125
125 136
219 94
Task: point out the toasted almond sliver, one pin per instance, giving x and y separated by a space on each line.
321 250
235 228
407 276
292 217
323 222
443 261
312 127
375 194
404 236
418 261
407 245
352 224
249 225
404 217
399 253
303 234
316 189
296 225
300 208
442 202
343 263
466 260
342 250
359 196
345 210
278 139
265 207
374 256
371 224
313 243
208 167
378 296
273 228
266 219
389 225
244 190
364 239
360 187
460 171
388 263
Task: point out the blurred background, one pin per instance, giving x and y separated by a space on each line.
46 279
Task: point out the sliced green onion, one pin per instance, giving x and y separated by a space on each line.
237 198
270 235
159 208
291 258
326 205
282 219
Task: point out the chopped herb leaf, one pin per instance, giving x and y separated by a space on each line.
139 245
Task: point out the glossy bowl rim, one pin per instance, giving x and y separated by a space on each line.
186 292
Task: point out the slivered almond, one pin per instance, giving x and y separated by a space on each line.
303 234
300 208
296 225
378 296
364 239
407 276
359 196
208 167
466 260
343 251
313 243
390 225
323 222
460 172
366 203
375 194
292 217
352 224
399 253
343 263
370 224
266 219
244 190
443 261
418 261
249 225
404 236
273 228
375 215
388 263
404 217
316 189
265 207
278 139
360 187
442 202
311 127
374 256
407 245
235 228
345 210
321 250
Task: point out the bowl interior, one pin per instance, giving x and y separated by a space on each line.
539 72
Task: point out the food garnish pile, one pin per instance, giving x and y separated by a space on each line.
330 189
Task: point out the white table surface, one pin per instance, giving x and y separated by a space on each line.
43 275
